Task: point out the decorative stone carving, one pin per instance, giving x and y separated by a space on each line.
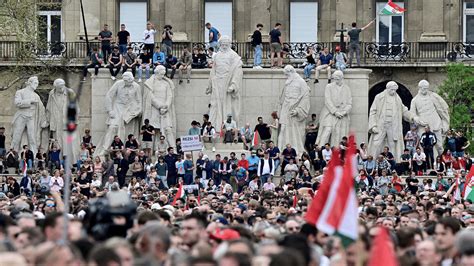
334 119
158 104
293 108
123 104
385 121
225 84
433 110
29 117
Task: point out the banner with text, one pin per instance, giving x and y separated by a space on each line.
191 143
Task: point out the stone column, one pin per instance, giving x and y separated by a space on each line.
260 13
99 88
92 16
433 30
346 12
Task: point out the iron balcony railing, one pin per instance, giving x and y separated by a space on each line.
372 53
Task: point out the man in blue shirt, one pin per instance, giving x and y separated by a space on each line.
158 57
214 36
171 63
253 163
324 63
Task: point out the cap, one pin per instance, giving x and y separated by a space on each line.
222 220
226 234
338 48
155 206
229 115
205 157
254 152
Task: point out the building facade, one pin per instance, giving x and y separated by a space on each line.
302 20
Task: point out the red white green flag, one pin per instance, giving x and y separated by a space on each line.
391 9
382 252
469 185
255 139
179 194
334 208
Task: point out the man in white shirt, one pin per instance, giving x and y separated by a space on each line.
149 38
231 132
419 161
265 168
269 185
327 152
253 185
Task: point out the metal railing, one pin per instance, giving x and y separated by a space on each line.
372 54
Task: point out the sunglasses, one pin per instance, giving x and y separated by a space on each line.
50 205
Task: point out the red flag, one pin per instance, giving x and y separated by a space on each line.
255 140
318 202
25 167
295 201
468 181
382 252
179 194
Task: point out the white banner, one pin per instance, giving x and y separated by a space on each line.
191 143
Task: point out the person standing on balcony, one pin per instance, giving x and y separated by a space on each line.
149 37
167 41
275 45
325 62
214 36
130 61
311 63
105 37
257 44
95 62
123 39
354 43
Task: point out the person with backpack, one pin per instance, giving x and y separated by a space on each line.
340 59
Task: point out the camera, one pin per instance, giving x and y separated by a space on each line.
110 216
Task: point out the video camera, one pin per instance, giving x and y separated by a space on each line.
110 216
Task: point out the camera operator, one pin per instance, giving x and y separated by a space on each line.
167 39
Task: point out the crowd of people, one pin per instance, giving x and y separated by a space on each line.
239 210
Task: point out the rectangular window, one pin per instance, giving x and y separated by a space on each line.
303 21
134 15
389 28
49 26
468 23
219 14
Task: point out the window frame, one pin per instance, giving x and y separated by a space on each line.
377 30
466 12
316 16
48 15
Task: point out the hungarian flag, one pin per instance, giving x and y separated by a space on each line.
457 190
469 185
255 140
391 9
334 208
382 252
179 194
25 168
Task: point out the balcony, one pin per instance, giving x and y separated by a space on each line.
406 54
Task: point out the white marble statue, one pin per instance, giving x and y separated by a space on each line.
433 110
335 116
293 109
158 104
385 122
123 104
56 110
225 84
30 116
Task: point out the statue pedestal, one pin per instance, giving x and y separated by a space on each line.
261 90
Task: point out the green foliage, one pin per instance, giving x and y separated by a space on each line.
458 91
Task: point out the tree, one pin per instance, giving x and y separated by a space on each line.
458 91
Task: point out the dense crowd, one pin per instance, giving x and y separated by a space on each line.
150 204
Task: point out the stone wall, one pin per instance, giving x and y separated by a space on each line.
261 90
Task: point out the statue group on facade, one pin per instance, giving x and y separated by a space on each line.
127 105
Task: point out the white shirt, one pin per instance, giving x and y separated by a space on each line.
266 167
253 185
327 154
56 183
149 36
268 186
419 158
